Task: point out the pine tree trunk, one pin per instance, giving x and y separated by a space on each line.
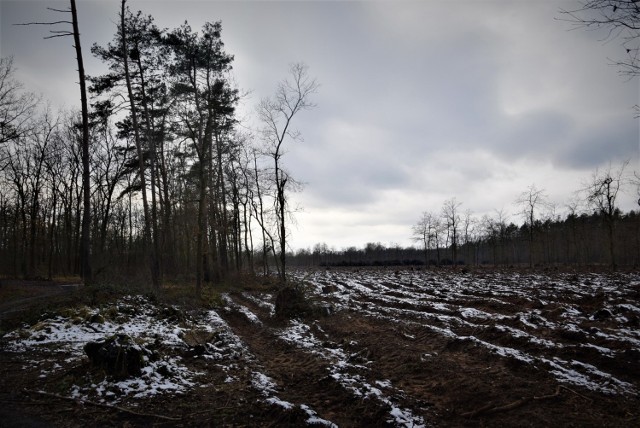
141 166
86 215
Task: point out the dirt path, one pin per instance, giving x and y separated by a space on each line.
15 307
20 305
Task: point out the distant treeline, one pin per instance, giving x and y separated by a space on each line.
576 240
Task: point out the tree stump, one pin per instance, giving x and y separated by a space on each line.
119 356
328 289
291 303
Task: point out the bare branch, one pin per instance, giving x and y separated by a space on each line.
59 10
58 35
621 19
46 23
292 95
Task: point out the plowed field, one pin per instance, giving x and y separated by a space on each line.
384 348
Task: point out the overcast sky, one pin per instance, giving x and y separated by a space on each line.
419 101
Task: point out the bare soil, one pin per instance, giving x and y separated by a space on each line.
447 380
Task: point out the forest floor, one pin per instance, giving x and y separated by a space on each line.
382 347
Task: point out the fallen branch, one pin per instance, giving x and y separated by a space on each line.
216 409
488 409
23 403
95 330
106 406
577 393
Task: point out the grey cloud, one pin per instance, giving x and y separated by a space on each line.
352 177
538 134
594 147
417 98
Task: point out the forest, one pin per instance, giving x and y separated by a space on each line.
161 179
578 240
170 184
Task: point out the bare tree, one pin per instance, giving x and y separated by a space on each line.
451 215
469 233
110 160
86 182
573 207
621 19
86 178
259 211
530 202
16 106
425 232
602 193
494 230
292 96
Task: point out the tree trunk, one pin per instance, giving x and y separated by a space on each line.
155 258
86 215
612 255
280 186
141 166
223 244
52 234
201 229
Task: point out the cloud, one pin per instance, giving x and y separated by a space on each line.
593 146
348 163
536 134
419 101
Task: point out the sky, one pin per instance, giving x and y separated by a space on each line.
419 101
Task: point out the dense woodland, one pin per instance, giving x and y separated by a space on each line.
179 188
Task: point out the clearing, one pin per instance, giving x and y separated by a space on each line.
384 347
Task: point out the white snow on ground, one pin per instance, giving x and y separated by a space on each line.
150 383
314 419
630 307
571 312
515 332
450 306
605 351
140 319
267 387
432 300
571 376
474 313
341 369
242 309
71 333
266 304
263 383
300 335
503 351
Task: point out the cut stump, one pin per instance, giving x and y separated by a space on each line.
119 356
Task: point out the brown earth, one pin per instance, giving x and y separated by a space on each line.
446 381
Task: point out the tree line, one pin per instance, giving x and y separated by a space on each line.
178 186
594 231
575 240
